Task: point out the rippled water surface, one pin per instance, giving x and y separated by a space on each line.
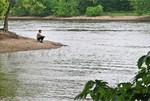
96 50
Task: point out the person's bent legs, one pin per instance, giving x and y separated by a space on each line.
40 39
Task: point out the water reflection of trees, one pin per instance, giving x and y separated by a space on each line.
8 83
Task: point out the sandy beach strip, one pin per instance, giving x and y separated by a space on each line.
101 18
25 44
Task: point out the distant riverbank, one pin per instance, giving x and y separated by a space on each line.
106 18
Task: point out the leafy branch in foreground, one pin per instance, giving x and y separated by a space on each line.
138 90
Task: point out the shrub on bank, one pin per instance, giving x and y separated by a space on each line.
94 11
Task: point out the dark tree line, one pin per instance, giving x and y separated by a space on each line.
73 7
64 7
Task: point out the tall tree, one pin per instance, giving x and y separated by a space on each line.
10 5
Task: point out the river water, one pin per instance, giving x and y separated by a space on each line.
105 50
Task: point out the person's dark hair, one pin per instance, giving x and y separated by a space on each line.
40 30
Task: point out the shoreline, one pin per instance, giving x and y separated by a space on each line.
11 42
21 44
100 18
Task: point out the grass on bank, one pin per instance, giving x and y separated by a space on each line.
123 13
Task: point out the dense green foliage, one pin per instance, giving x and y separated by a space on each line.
28 7
3 6
138 90
74 7
94 11
116 5
64 7
141 6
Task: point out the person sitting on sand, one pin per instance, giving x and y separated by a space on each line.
40 37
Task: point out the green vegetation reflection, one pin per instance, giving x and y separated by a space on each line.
8 84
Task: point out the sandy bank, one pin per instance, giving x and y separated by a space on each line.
107 18
17 43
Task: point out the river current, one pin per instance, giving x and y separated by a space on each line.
104 50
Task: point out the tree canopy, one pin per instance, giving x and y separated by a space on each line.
72 7
141 6
3 6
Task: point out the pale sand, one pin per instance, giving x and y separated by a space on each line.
25 44
11 42
108 18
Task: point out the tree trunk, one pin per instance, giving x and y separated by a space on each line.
11 4
6 18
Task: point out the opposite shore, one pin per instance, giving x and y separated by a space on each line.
101 18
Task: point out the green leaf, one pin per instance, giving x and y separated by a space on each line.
86 90
141 61
147 62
